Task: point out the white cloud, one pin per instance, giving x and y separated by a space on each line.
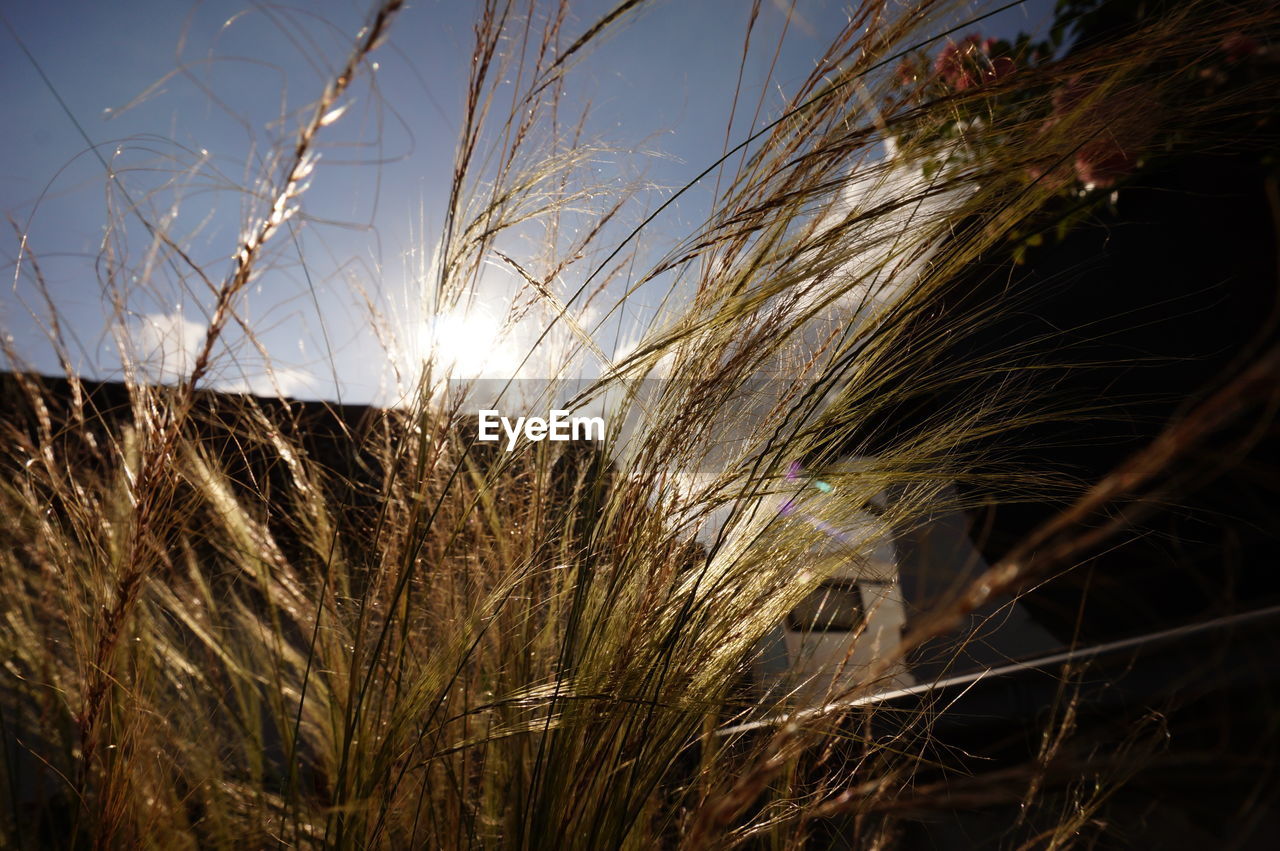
164 345
270 381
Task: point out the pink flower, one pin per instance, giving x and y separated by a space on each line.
969 63
906 73
1240 47
1117 128
1054 176
1072 91
1103 161
1001 67
954 61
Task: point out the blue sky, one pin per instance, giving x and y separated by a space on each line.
217 76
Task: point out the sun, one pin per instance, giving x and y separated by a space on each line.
468 343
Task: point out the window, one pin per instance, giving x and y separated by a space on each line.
834 606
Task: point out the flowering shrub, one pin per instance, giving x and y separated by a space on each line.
1092 132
